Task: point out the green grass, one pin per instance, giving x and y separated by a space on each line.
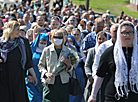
133 14
103 5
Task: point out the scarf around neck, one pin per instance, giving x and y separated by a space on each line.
6 47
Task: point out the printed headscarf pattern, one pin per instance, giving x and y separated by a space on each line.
41 36
121 74
6 47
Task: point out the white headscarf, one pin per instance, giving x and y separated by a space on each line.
68 21
97 45
121 74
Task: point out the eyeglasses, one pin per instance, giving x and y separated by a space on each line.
58 37
81 25
127 33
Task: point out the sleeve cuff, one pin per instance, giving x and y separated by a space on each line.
43 74
70 70
93 97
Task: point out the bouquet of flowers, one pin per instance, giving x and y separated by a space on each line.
61 66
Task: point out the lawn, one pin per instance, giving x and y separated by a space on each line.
115 6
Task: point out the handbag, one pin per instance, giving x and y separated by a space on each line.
74 85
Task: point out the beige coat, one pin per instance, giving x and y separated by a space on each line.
49 60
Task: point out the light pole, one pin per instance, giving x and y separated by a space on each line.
87 5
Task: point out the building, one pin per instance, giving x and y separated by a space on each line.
134 3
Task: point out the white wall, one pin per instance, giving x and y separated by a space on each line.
134 2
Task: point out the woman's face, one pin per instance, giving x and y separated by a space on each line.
69 31
44 42
37 32
65 35
72 21
127 36
76 35
89 27
15 33
101 38
30 37
58 39
83 26
55 24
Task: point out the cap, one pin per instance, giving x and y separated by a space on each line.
24 28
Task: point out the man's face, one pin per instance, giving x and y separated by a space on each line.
26 18
91 18
40 21
114 32
106 18
86 16
22 33
99 27
127 36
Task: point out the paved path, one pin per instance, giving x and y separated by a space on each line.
9 1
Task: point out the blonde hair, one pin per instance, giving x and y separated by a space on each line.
21 22
35 29
58 32
9 29
69 27
30 32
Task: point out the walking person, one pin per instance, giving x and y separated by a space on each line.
14 62
120 63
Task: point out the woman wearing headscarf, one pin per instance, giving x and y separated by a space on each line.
71 21
58 85
15 60
101 37
120 62
79 72
29 36
34 93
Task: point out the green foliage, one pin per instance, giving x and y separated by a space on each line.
112 5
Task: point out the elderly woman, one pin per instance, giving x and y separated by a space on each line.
79 72
72 21
15 59
34 93
101 37
51 55
120 62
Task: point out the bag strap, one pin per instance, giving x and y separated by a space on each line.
73 72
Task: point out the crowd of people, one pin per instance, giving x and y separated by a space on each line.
36 38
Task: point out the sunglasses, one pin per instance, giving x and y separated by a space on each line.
58 37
